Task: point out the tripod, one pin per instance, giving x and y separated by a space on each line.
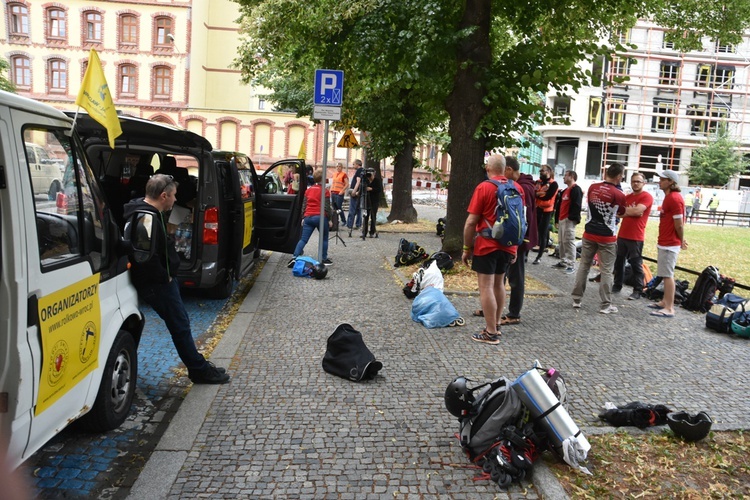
335 228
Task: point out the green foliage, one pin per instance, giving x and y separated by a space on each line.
717 161
5 83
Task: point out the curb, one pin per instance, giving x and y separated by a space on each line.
165 463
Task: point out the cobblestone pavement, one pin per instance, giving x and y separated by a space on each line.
284 428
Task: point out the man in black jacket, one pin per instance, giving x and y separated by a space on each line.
570 217
154 278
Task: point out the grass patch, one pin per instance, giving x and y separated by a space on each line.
655 465
462 279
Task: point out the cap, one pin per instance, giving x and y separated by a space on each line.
669 174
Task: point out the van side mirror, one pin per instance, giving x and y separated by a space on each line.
139 236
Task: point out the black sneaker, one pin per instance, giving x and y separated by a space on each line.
559 265
327 262
616 289
635 295
209 375
291 262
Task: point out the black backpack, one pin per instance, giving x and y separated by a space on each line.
348 357
704 292
443 259
440 227
409 253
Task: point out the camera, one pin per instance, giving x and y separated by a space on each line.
370 172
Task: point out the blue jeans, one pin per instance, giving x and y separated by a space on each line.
337 200
310 224
354 211
166 300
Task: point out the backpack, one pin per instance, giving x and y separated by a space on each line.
440 227
443 259
510 215
496 406
719 318
348 357
303 267
704 292
409 253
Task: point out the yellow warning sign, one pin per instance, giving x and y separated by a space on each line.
348 140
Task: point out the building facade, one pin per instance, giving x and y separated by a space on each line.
653 108
164 60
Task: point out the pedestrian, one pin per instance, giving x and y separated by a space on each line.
338 187
696 204
605 204
372 190
713 204
291 180
517 269
355 214
670 241
490 257
546 190
311 218
154 278
631 235
689 200
569 218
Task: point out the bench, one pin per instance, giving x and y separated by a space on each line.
721 217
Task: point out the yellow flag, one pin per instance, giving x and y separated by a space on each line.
302 151
95 98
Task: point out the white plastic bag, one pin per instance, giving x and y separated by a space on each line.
432 276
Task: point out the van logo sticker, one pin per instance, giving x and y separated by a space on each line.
70 325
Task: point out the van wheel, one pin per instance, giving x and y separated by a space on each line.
223 289
117 388
53 190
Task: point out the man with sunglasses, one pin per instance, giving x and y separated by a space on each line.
155 282
631 236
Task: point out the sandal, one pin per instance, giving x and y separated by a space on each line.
508 320
486 337
479 313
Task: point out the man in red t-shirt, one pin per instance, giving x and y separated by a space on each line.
569 217
631 236
491 258
670 241
605 204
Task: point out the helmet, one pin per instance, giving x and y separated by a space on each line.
458 397
689 427
319 272
741 326
443 259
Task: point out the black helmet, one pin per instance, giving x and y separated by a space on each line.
689 427
458 397
319 272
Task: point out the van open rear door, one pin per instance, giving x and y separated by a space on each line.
239 193
278 223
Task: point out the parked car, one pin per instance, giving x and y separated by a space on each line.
225 212
46 171
69 313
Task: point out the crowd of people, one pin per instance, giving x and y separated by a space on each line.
613 235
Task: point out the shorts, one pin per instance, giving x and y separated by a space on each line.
496 262
666 261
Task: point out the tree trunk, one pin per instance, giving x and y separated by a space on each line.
402 207
466 110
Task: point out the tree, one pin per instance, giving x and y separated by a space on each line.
477 60
5 83
717 161
391 89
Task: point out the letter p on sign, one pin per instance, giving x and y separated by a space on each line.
329 87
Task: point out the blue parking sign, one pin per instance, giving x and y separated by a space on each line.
329 87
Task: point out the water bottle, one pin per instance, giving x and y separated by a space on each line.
187 234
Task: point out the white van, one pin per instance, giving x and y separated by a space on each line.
46 171
69 318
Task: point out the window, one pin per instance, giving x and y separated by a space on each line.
19 20
664 116
724 48
57 23
21 68
93 27
706 120
58 75
669 73
163 29
162 81
703 79
723 77
619 68
623 36
70 229
127 80
128 29
616 112
261 104
595 112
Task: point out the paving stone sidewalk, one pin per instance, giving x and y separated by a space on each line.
284 428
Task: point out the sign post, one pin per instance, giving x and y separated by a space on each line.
328 98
